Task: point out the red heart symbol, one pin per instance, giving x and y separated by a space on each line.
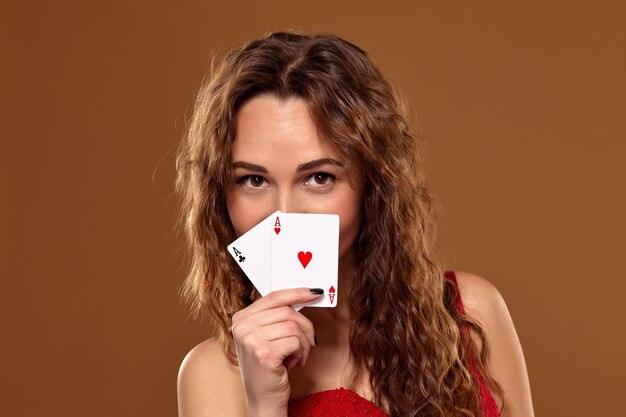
277 230
305 258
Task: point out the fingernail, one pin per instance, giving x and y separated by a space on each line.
317 291
315 339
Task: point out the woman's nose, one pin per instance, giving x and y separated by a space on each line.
287 202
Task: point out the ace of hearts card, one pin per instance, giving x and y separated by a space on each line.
305 253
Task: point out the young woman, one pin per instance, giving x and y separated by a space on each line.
308 124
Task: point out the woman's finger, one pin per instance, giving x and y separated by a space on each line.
252 336
274 353
254 322
292 361
280 298
282 314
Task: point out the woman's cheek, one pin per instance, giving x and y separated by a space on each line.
348 209
244 214
348 229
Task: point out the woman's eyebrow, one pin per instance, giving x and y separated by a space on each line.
251 167
318 162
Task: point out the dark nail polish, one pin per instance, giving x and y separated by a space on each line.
315 339
316 291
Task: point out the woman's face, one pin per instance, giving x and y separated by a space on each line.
281 162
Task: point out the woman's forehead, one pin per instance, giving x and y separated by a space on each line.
268 127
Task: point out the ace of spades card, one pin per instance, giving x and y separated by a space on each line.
305 253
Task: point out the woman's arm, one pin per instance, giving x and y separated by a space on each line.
484 303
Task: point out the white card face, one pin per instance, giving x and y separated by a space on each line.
305 253
252 252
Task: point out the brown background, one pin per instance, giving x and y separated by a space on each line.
524 109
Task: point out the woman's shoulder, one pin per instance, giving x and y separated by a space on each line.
483 302
480 298
205 378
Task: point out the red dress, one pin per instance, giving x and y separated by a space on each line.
342 402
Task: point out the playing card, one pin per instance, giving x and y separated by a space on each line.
305 253
252 252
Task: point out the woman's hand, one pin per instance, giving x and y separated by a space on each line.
271 338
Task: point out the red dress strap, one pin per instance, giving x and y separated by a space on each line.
452 277
487 402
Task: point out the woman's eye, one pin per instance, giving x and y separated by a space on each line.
320 178
254 181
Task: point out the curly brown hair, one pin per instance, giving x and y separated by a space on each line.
406 331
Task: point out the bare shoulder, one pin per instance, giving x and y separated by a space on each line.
481 299
484 303
205 379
